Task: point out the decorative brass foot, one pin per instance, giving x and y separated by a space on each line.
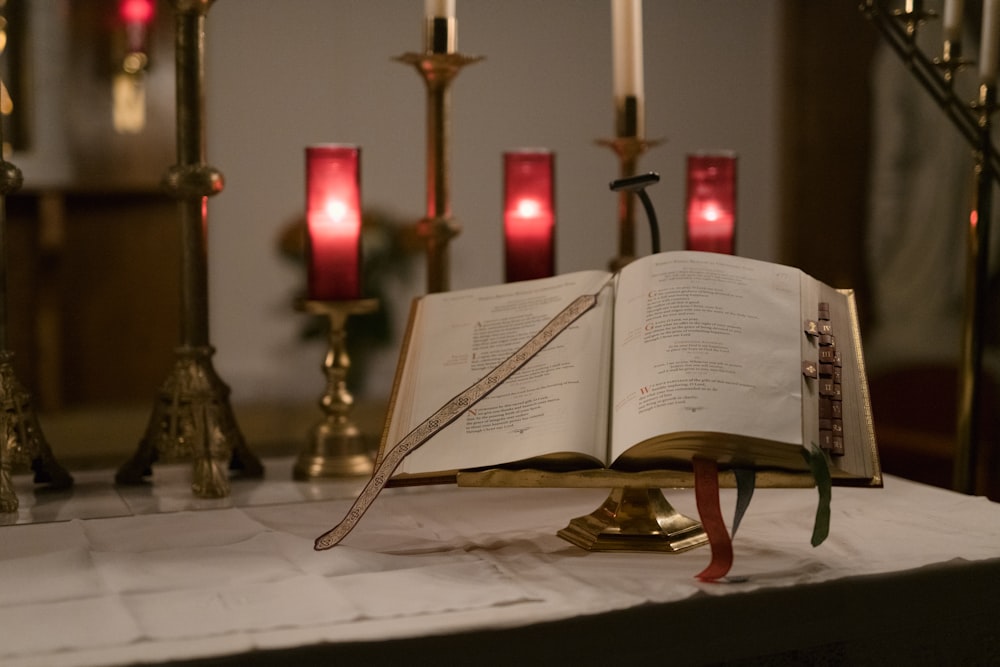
193 421
336 449
635 519
23 443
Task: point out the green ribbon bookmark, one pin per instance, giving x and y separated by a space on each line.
819 464
746 481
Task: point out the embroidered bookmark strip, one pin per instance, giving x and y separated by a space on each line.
448 413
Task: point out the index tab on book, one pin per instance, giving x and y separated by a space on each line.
830 389
448 413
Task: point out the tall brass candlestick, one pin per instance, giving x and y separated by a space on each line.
23 443
974 315
628 146
438 66
192 418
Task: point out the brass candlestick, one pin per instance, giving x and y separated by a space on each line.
192 418
438 66
23 442
951 59
336 445
628 146
974 312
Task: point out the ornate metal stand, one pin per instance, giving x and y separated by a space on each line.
936 76
438 70
23 442
336 445
635 519
192 418
635 516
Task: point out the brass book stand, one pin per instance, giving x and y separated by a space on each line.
636 516
635 519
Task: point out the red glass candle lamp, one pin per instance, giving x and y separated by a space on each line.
136 15
529 214
333 218
711 202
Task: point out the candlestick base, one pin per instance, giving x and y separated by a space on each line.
336 446
628 150
193 421
23 443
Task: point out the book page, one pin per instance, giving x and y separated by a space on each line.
557 402
706 342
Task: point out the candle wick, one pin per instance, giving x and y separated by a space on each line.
637 184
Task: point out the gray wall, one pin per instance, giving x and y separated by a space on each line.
283 74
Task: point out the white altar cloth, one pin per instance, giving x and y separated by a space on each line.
187 584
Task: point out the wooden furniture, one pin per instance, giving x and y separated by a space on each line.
915 413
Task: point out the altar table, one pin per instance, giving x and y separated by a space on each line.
442 575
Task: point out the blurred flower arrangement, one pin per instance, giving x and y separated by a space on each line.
388 248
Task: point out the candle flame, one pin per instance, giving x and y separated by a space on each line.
528 208
336 210
711 212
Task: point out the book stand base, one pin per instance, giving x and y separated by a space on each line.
636 516
635 519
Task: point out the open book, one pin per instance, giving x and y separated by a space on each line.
685 354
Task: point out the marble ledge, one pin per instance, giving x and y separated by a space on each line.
92 443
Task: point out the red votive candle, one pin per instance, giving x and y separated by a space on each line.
136 15
529 214
137 11
711 202
333 218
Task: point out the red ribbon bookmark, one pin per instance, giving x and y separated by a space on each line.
706 493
